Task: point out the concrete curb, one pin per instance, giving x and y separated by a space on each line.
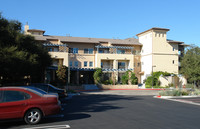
174 97
177 99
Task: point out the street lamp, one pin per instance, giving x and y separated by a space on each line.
152 75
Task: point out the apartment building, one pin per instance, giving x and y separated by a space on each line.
152 51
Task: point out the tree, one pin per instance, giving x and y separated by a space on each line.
20 55
190 64
129 78
98 75
61 73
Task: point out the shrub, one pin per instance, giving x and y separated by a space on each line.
133 79
107 82
155 78
98 75
174 92
190 86
195 92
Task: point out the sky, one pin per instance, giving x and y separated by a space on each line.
119 19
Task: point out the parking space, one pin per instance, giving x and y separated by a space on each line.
119 110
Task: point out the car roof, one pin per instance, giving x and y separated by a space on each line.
12 87
27 88
36 84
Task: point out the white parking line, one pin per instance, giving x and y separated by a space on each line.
179 100
51 127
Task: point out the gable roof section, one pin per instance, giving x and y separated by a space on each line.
154 28
173 41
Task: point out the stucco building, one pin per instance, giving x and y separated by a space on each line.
152 51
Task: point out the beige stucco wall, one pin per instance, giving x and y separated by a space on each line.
160 44
80 58
165 63
115 58
163 53
60 55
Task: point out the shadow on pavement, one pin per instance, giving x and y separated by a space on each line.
79 107
95 103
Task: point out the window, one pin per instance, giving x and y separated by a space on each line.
91 64
76 63
120 51
1 96
50 49
138 64
121 65
70 63
73 50
85 63
173 49
88 51
101 64
172 61
101 51
10 96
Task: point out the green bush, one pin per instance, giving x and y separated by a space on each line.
174 92
195 92
98 75
126 78
155 78
108 82
150 86
190 86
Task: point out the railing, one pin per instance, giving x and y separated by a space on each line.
107 67
121 67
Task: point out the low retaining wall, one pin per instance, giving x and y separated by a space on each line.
104 87
109 87
75 87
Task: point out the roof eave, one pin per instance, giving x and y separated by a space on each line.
154 28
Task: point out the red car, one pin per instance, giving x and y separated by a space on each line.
31 104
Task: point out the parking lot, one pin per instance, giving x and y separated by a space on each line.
118 110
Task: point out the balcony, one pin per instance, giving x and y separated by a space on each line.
55 47
107 67
114 50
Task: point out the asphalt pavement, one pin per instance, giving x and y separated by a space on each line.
118 110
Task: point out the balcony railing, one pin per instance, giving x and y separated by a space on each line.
55 47
114 49
107 67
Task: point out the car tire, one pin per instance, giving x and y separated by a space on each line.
33 116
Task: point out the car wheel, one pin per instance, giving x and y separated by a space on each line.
33 116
